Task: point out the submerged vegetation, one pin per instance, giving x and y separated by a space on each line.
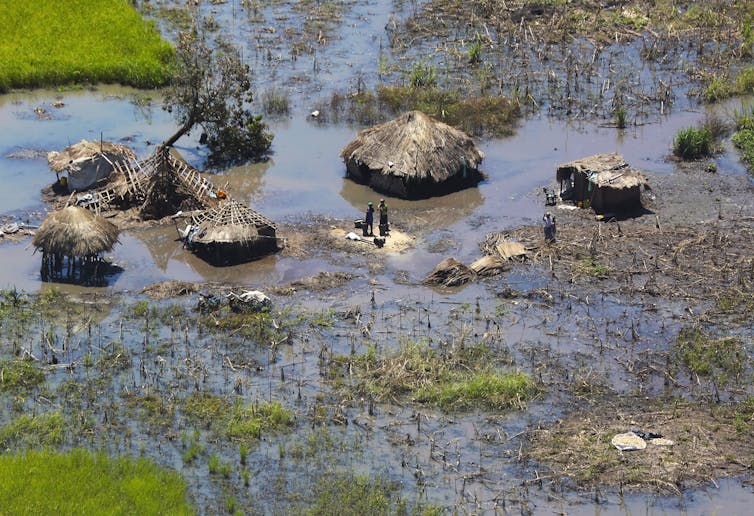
89 41
482 115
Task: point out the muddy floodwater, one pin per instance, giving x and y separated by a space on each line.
127 362
303 180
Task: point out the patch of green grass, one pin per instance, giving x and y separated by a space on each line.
357 494
744 142
422 75
743 415
89 41
722 360
153 409
27 431
459 379
80 482
487 389
591 267
692 143
620 118
236 421
246 423
218 467
20 376
475 51
205 408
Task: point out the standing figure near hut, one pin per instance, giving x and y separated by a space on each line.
384 229
369 220
550 228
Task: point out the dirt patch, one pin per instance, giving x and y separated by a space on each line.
710 442
328 235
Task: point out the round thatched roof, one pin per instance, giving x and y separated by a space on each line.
230 222
75 231
414 147
61 161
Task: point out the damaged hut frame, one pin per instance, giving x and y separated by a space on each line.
71 241
414 156
230 234
603 181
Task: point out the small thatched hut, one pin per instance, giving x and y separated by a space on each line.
73 233
605 181
413 156
87 162
230 234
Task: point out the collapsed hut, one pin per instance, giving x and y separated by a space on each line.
230 234
173 186
87 162
603 181
414 156
71 241
159 185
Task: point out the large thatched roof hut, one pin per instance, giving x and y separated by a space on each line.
87 162
231 233
605 181
414 156
73 233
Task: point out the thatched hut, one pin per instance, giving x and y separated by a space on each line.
72 234
604 181
88 162
230 234
413 156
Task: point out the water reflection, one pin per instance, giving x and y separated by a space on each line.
436 212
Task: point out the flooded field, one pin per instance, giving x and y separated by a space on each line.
275 412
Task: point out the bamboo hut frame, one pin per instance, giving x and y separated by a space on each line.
231 233
139 182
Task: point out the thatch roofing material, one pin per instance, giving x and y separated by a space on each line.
74 231
619 179
230 222
604 170
414 146
489 266
61 161
449 273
